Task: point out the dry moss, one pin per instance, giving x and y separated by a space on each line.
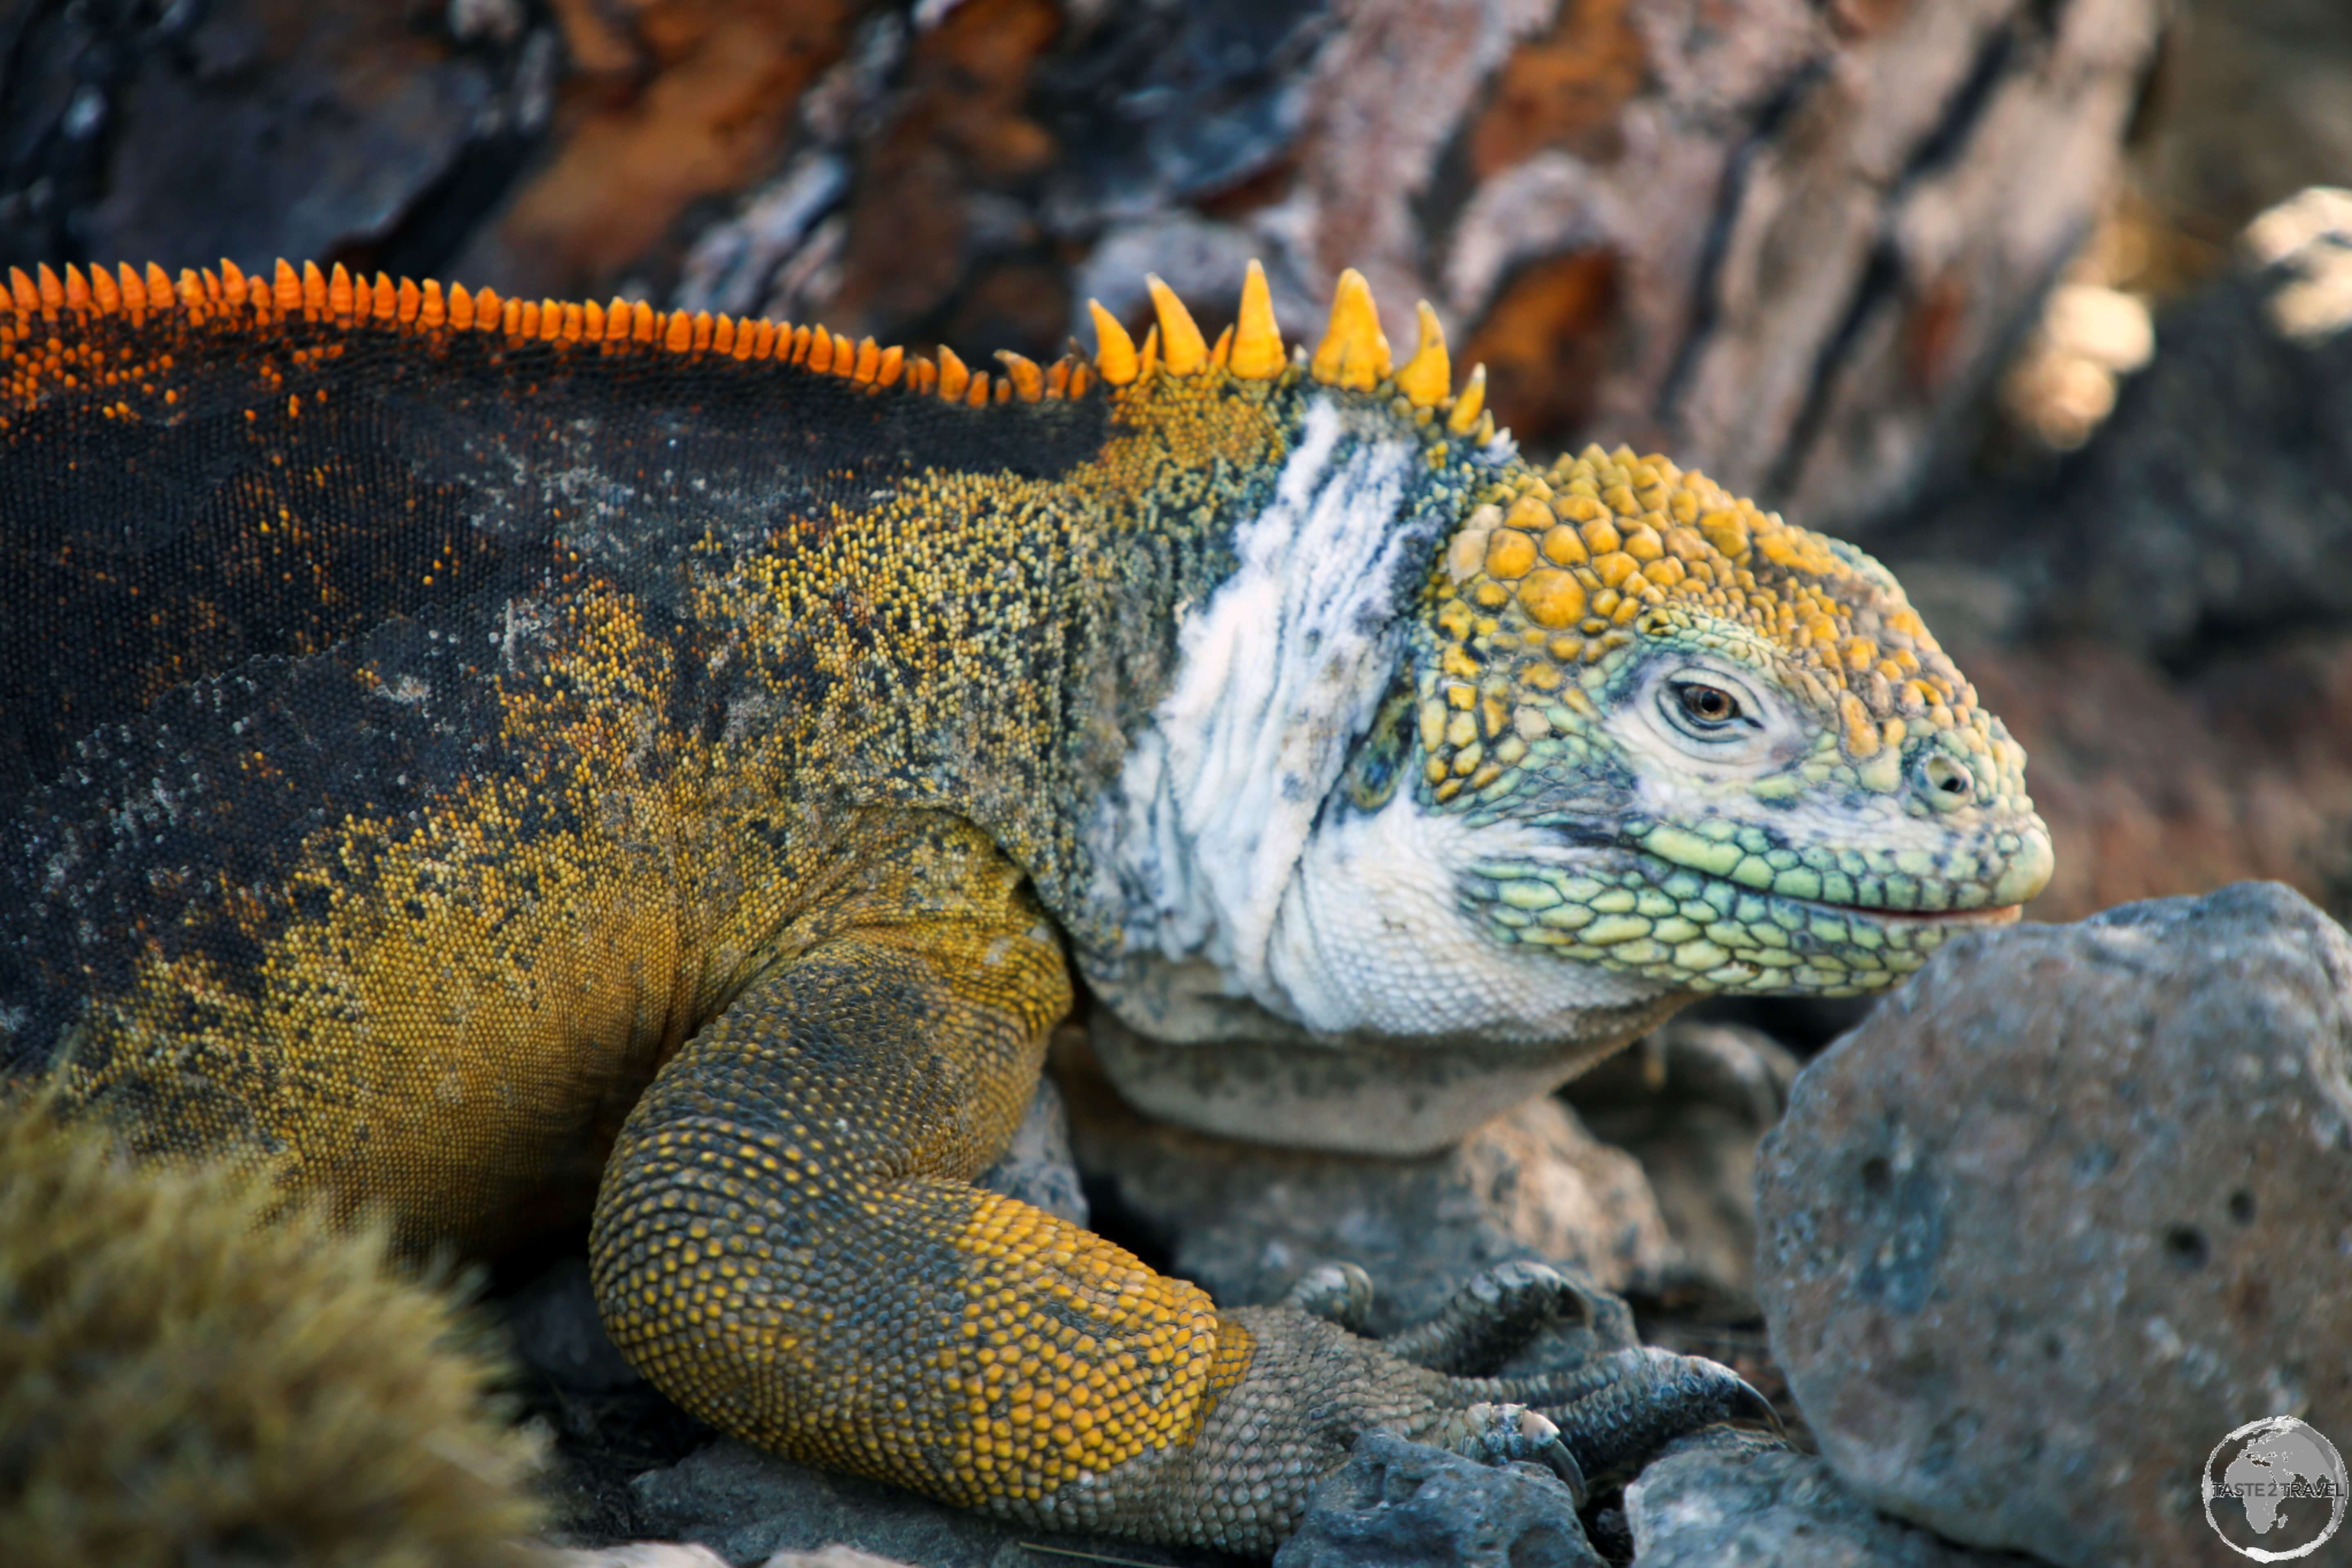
182 1384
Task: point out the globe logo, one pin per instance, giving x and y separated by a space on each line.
2275 1490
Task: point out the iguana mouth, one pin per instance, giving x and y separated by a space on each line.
2000 915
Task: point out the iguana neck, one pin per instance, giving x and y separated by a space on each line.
990 642
1276 674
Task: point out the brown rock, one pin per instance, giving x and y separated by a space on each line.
2067 1209
2155 785
670 101
1246 1221
256 129
2160 619
1691 1101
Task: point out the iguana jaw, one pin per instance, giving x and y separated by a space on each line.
1635 914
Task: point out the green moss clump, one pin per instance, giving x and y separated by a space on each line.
191 1372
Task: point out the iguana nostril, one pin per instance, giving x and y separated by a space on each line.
1947 777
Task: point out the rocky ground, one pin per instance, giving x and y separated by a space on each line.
2010 1257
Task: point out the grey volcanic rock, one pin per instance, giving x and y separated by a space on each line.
1397 1504
1724 1497
748 1506
2066 1210
1037 1169
1691 1102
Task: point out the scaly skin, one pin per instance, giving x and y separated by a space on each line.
474 759
1538 607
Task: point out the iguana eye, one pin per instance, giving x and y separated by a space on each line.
1704 708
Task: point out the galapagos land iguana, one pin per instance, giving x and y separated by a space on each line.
483 759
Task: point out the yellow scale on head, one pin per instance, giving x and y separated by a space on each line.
1559 568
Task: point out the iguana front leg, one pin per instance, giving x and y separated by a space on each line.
788 1243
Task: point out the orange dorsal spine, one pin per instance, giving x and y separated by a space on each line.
1352 354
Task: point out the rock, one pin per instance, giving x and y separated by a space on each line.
2160 618
669 1554
608 1423
2157 784
558 1332
2071 1206
645 1554
1037 1169
1728 1499
1246 1221
253 130
2221 481
747 1507
1691 1101
1397 1504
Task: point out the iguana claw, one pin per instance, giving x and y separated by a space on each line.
1617 1410
1337 1293
1505 1432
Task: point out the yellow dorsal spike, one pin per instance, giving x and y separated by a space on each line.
1428 375
1027 376
1466 406
1114 350
954 375
1257 353
1352 353
286 286
1181 343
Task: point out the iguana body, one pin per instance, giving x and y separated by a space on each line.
473 757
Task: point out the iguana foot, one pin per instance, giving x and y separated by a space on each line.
1501 1310
1610 1408
1312 1385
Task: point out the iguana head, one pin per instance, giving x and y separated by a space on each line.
1495 756
1745 764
